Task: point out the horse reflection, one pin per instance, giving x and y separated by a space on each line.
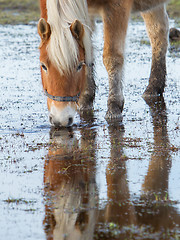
154 210
119 209
158 211
72 210
70 187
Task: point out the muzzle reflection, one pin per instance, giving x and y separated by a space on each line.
70 186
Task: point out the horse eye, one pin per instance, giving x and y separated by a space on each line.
44 67
79 67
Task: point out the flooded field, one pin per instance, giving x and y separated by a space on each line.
97 180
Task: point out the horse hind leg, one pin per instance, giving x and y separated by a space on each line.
157 27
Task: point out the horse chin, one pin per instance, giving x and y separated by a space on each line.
62 116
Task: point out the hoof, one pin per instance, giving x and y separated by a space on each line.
114 114
85 107
87 117
152 92
151 97
110 116
114 111
86 103
147 95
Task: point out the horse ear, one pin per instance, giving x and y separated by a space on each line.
44 29
77 30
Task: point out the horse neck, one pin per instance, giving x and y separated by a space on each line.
43 9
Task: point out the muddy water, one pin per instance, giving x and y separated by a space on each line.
97 180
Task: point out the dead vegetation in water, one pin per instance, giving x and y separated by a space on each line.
132 232
132 142
19 201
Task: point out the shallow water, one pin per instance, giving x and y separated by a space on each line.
96 180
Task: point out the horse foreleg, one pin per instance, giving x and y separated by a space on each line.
88 95
115 19
87 98
157 27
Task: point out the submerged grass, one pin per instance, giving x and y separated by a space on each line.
26 11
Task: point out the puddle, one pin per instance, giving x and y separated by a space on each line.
96 180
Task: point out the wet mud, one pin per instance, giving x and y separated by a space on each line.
97 180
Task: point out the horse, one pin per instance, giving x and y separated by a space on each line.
66 55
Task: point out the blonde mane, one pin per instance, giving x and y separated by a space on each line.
63 48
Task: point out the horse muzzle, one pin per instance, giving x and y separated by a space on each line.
62 116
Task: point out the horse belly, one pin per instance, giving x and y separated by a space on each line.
98 3
95 7
138 5
145 5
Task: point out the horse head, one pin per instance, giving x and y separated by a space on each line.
63 76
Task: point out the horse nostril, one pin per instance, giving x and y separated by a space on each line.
70 121
57 123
